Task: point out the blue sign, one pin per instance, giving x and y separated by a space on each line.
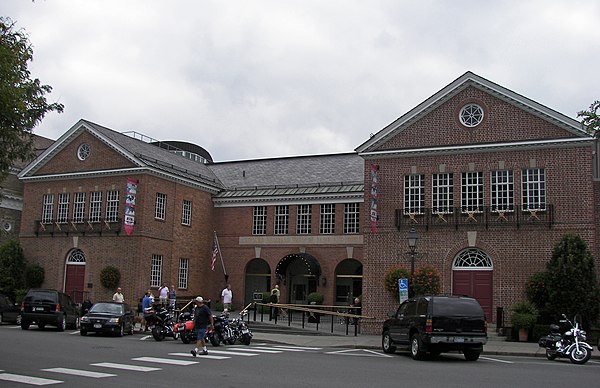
403 289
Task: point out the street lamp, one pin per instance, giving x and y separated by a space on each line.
412 244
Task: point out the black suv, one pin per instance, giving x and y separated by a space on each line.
48 307
436 324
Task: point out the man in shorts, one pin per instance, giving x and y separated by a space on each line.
202 319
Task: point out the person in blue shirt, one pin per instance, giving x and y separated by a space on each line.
146 305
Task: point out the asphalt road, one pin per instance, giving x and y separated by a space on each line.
48 357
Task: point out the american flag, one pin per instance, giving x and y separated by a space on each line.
215 252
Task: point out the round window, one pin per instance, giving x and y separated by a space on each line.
83 151
471 115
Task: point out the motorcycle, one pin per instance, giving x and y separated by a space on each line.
572 344
222 331
163 324
185 327
240 329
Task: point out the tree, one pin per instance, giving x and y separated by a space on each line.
12 268
23 102
571 282
591 119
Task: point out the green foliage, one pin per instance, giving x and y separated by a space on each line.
12 268
591 119
536 289
572 284
315 298
391 280
524 315
23 102
425 281
110 277
34 276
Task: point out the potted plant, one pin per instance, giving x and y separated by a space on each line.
524 316
315 298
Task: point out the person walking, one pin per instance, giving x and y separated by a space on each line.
227 296
118 296
202 319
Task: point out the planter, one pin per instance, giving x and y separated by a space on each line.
523 335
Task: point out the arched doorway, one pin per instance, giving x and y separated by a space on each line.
300 273
472 275
348 281
75 275
258 279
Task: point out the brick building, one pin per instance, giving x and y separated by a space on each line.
488 179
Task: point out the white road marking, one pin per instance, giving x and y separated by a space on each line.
79 372
359 352
27 379
200 356
136 368
296 347
273 348
259 350
164 361
145 337
74 332
228 353
497 360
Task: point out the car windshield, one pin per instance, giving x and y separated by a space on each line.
107 308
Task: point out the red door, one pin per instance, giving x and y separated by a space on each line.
74 282
477 284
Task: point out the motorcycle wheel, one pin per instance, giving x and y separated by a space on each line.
246 339
185 338
550 355
214 340
231 340
580 357
158 333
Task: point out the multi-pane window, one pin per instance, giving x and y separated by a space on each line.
48 209
442 193
534 189
78 207
303 224
159 209
62 214
472 192
502 190
186 212
351 218
259 220
112 206
414 194
156 271
95 206
183 273
282 219
327 222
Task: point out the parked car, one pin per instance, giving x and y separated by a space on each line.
9 311
108 317
436 324
48 307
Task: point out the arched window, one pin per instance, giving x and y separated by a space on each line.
76 257
473 258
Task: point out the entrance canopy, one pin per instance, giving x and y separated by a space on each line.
312 264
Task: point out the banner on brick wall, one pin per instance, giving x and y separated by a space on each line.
129 220
374 169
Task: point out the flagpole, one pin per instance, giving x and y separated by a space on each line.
221 256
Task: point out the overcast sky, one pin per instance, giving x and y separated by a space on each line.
257 79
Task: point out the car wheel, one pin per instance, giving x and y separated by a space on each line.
471 355
121 330
386 343
24 325
1 317
130 332
62 323
83 332
19 319
416 347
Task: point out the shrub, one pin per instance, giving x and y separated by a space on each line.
524 315
315 298
426 281
34 276
110 277
391 280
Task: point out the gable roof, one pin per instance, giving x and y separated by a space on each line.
145 156
470 79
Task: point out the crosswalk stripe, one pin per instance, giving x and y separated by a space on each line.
259 350
79 372
137 368
28 379
201 356
164 361
296 347
231 353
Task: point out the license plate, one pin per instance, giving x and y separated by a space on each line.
97 326
459 339
38 309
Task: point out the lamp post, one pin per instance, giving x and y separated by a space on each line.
412 244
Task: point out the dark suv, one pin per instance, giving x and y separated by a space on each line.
436 324
48 307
